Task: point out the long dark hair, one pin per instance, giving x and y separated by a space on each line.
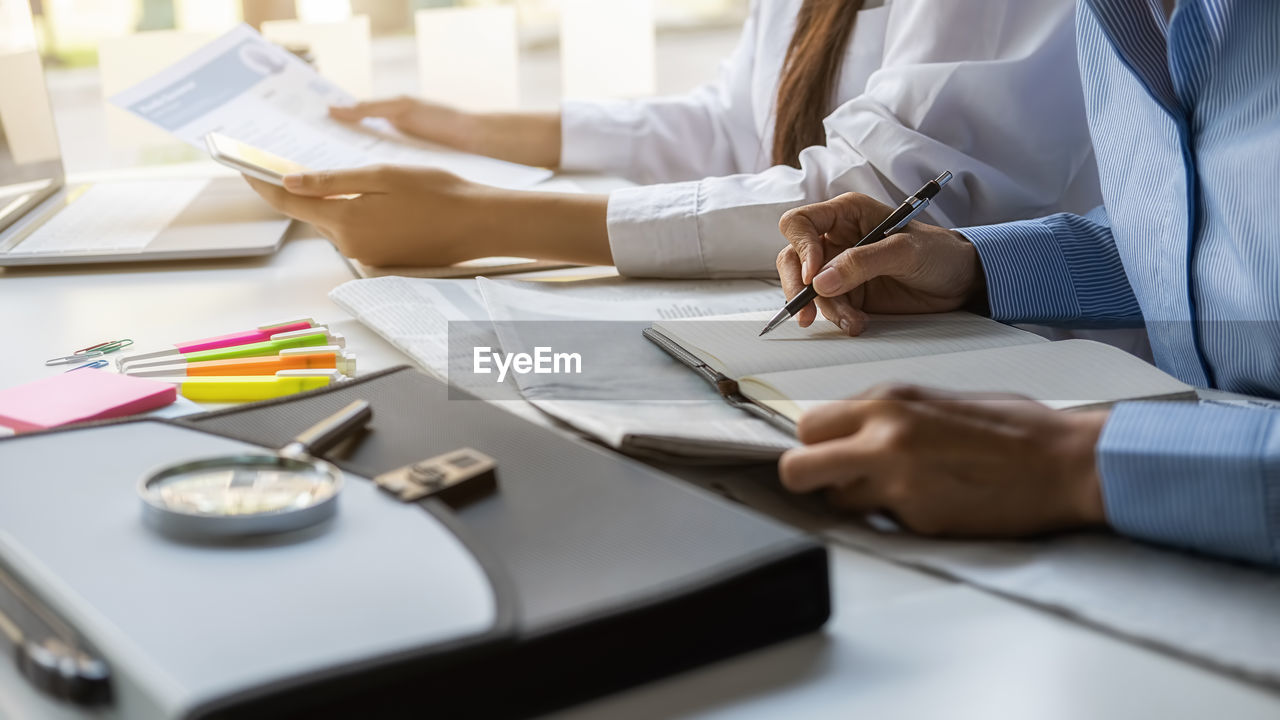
809 76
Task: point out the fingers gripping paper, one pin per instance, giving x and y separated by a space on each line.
244 87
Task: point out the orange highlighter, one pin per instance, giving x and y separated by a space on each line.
304 358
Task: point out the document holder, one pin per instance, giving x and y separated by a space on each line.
581 573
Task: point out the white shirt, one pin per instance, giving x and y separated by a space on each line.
988 89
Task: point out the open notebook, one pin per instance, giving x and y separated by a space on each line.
779 376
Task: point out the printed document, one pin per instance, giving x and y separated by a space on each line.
251 90
434 321
415 314
631 395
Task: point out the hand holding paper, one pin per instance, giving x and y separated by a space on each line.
250 90
528 138
406 216
387 215
422 205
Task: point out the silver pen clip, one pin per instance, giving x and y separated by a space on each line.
914 212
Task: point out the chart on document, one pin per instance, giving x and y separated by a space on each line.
244 87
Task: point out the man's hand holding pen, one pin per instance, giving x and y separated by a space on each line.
942 463
922 269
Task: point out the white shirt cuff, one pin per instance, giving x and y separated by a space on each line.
653 231
597 136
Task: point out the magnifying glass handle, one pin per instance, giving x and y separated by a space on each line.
328 432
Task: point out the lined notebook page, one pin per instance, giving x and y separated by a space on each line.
731 343
1064 374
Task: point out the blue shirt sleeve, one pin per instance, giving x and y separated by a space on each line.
1060 270
1202 477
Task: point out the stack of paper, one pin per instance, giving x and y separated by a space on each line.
631 395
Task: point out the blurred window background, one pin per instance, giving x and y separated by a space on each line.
69 30
485 54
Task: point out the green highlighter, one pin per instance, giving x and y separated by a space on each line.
311 337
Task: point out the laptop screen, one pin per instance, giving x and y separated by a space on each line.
30 162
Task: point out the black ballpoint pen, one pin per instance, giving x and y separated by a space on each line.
897 220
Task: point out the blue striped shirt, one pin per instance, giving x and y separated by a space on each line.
1185 118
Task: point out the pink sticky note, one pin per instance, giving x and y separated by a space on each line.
80 396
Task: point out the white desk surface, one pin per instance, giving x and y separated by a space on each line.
901 643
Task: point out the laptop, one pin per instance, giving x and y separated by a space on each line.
44 221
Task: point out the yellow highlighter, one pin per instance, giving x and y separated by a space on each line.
250 388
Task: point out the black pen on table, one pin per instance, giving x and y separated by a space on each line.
897 220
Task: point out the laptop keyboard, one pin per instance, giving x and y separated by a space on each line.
112 217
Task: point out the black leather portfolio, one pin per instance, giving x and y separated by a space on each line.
567 573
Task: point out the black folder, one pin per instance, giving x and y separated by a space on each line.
610 573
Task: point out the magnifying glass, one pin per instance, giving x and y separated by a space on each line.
252 493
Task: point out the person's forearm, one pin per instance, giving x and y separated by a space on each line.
548 226
528 138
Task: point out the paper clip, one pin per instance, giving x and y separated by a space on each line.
103 348
94 364
71 358
92 351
